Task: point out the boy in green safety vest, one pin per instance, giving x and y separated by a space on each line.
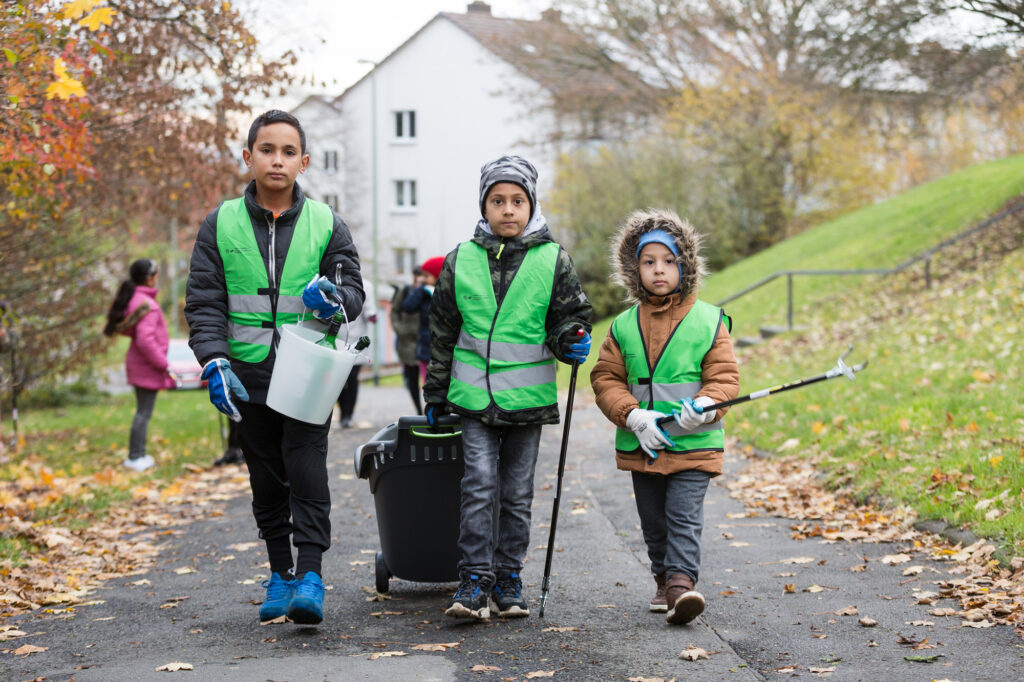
668 354
507 303
263 260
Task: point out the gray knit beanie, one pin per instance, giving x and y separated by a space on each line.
514 169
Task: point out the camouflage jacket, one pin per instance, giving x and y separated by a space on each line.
569 307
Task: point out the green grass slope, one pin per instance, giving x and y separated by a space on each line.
882 235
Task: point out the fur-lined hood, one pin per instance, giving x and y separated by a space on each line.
625 269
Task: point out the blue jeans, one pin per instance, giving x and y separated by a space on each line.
502 456
671 510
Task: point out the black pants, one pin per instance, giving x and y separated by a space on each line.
349 393
287 462
411 375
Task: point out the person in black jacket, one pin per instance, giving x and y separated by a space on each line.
249 271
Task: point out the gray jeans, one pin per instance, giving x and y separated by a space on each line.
502 456
145 399
671 512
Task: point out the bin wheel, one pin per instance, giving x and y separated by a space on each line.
382 574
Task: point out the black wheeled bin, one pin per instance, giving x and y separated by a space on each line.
415 475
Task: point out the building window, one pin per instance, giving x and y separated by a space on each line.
332 201
405 260
405 125
405 193
331 160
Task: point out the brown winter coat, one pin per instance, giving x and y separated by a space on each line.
659 316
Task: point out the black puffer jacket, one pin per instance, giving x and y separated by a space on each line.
206 297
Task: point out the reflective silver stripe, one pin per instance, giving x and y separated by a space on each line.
290 304
246 334
672 428
503 381
248 303
665 393
506 352
523 378
468 374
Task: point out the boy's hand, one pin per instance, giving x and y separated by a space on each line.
222 382
321 296
690 415
575 345
644 423
434 411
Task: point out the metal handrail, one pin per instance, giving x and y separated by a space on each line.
925 256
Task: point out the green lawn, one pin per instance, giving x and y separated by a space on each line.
879 236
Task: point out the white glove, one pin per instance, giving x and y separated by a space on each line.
644 424
688 418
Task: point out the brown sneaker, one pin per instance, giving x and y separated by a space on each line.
684 602
658 603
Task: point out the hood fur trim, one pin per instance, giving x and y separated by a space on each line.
625 268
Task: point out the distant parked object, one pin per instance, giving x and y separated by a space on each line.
182 361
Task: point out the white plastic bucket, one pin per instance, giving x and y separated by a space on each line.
307 378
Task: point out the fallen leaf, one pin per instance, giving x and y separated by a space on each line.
606 606
920 622
923 659
11 634
275 621
847 611
912 570
789 589
977 624
26 649
567 628
244 546
893 559
693 654
944 611
798 560
539 673
867 622
184 570
174 667
814 589
484 669
435 647
822 672
386 654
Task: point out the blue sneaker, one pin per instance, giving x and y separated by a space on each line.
307 605
279 596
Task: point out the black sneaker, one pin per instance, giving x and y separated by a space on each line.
507 594
230 456
471 599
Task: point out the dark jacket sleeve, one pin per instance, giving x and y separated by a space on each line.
569 306
445 325
206 296
341 251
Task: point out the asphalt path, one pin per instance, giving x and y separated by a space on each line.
596 626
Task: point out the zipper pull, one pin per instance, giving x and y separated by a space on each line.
500 249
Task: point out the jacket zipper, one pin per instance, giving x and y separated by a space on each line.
272 256
494 320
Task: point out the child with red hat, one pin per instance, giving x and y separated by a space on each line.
418 301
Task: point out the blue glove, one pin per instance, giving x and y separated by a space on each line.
434 411
222 382
576 346
321 296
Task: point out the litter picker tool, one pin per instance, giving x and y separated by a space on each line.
558 486
840 370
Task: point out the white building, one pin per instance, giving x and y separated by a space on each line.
401 149
460 92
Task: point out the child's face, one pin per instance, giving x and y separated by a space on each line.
507 209
276 158
659 272
428 279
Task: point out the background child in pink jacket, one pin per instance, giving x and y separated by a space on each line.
136 314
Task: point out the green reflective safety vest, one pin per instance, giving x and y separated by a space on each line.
500 355
676 374
252 316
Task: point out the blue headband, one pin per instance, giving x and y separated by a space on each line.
659 237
